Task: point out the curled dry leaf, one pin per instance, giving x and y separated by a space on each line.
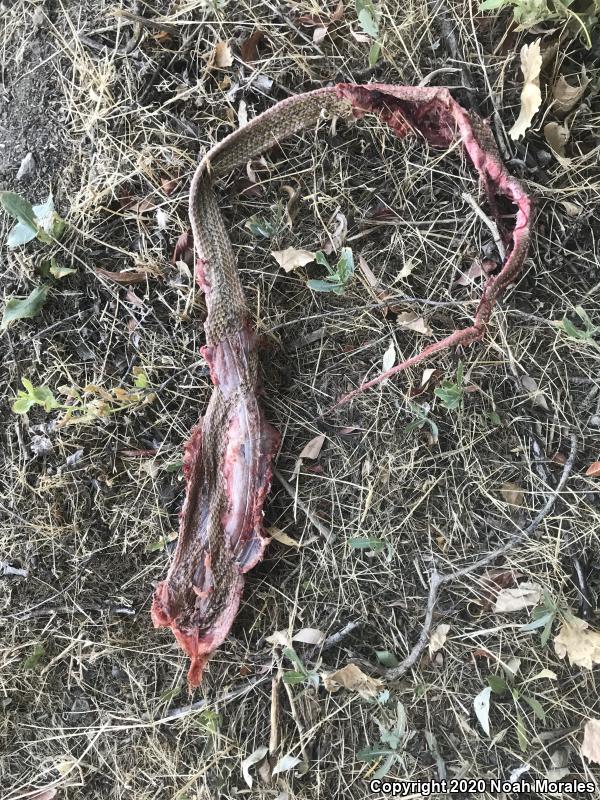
557 136
438 638
126 277
512 493
249 47
481 704
335 240
593 471
411 321
566 96
578 642
290 258
353 678
523 596
572 209
282 537
590 747
252 759
531 96
223 55
313 448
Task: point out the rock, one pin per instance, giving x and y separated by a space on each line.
27 168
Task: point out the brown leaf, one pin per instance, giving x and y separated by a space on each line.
578 642
126 277
526 594
223 55
353 678
590 747
336 239
168 185
571 209
566 96
557 136
470 276
411 321
593 471
438 638
531 96
313 448
291 258
282 537
512 493
249 47
143 206
184 249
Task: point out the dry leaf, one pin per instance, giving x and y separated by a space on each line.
279 639
590 747
467 278
593 471
578 642
525 595
566 96
557 136
313 448
481 704
531 96
512 493
125 277
353 678
537 397
309 636
367 272
252 759
282 538
319 34
413 322
249 47
290 258
223 55
571 209
438 638
335 240
389 357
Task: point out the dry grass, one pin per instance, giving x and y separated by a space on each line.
91 713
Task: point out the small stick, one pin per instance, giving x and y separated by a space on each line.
439 580
489 222
323 530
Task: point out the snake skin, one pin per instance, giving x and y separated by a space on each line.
227 462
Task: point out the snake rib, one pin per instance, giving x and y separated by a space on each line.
227 461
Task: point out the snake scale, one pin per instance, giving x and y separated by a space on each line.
227 460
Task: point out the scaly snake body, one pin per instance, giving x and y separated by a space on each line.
227 463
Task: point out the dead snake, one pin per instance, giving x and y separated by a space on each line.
227 461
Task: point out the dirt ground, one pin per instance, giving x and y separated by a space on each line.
115 114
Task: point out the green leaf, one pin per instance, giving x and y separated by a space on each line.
546 632
43 396
539 621
570 329
345 265
44 214
386 659
490 5
536 707
261 227
383 770
290 653
19 208
323 286
19 235
292 678
521 735
141 379
22 405
24 309
321 259
33 659
373 753
374 53
497 684
366 544
51 268
367 22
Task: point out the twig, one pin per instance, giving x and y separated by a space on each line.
489 222
323 529
439 580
